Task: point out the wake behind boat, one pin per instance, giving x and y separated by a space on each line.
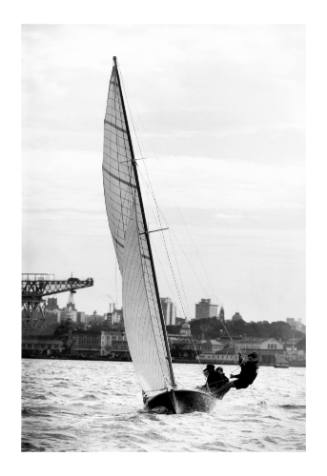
143 318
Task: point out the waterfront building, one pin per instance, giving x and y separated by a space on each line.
169 311
114 343
41 345
222 357
205 309
86 343
212 346
94 319
257 344
266 348
295 351
40 325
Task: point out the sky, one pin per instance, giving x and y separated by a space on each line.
218 115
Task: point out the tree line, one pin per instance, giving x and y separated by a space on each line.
212 328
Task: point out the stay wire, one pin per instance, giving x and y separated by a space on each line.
157 210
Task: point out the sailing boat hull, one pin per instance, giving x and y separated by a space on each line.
180 401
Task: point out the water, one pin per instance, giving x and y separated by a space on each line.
97 406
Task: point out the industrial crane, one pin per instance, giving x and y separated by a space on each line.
37 285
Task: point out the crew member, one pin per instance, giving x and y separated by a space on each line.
246 377
211 376
221 378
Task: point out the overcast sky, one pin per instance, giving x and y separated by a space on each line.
219 115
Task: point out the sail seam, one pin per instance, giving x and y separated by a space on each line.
115 126
118 178
119 243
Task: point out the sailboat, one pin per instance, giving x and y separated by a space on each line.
143 317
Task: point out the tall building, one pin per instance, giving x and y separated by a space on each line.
52 311
169 311
81 318
94 319
205 309
69 312
52 304
115 318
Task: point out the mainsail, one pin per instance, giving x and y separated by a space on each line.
144 325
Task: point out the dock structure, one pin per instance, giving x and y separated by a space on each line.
37 285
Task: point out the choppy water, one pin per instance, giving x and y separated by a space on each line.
97 406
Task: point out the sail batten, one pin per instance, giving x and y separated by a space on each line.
143 321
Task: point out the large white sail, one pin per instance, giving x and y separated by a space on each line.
143 323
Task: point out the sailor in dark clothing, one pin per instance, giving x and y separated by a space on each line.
215 378
248 372
210 374
221 378
246 377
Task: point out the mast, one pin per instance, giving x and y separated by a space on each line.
146 231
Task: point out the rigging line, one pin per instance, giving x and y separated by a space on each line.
154 199
158 212
185 297
146 272
168 279
187 257
227 332
197 252
131 116
188 261
165 275
167 252
183 300
176 244
155 283
150 188
151 290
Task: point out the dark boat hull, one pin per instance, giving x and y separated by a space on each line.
180 401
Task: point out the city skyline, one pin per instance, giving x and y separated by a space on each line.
220 111
115 315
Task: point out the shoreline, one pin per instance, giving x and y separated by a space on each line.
175 361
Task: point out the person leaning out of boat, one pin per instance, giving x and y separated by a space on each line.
248 374
249 368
